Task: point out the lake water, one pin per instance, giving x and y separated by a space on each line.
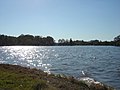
99 62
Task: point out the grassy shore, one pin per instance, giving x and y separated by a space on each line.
14 77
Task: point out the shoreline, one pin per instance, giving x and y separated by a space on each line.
15 77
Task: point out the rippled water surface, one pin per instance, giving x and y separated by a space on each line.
99 62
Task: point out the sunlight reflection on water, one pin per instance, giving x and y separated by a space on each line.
27 56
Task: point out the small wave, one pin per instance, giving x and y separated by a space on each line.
83 73
87 79
91 82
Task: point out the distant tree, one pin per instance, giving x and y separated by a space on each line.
7 40
61 41
117 40
27 39
79 42
71 41
37 40
3 40
49 41
94 42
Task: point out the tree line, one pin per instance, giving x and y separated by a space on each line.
26 40
115 42
49 41
64 42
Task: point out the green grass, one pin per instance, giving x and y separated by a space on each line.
18 81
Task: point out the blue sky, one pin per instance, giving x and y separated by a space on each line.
77 19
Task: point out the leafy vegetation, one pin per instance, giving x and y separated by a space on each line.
26 40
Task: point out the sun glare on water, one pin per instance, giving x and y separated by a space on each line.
30 56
